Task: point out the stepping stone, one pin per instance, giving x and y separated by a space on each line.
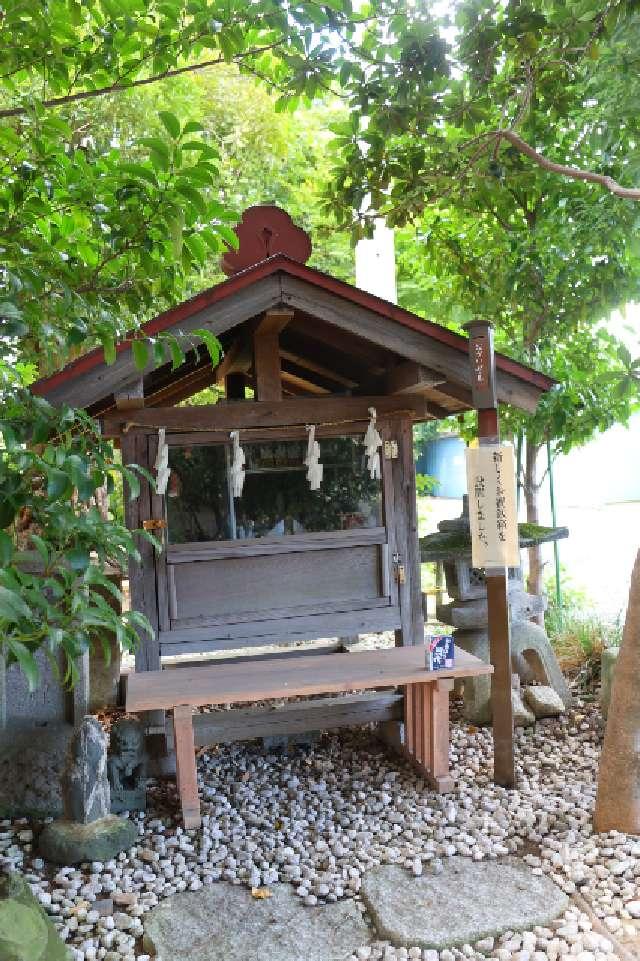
467 901
225 923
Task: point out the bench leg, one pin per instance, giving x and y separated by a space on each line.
186 775
426 722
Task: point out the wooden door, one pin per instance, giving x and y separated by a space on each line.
279 576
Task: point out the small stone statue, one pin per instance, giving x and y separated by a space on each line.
127 766
85 788
88 831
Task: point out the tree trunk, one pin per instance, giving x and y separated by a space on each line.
618 798
532 496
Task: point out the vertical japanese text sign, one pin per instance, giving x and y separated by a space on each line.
482 372
492 506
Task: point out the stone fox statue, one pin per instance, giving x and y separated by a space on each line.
127 766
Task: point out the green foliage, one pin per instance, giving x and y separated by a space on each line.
577 632
51 468
482 230
117 197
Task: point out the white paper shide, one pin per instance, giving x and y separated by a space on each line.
493 518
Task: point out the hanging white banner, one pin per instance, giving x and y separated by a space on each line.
491 486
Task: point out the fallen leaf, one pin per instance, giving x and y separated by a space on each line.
260 893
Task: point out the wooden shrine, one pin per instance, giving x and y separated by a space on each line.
282 562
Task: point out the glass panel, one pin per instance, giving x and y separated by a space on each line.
276 498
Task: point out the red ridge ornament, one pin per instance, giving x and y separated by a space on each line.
262 232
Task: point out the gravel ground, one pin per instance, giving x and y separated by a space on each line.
321 816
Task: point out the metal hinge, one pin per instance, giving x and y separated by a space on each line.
399 569
154 525
390 449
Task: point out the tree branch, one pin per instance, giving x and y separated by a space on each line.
120 87
575 173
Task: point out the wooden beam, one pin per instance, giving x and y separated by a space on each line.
316 368
404 341
130 396
305 385
266 353
266 365
285 413
235 386
186 386
409 377
312 335
457 391
273 321
218 317
313 714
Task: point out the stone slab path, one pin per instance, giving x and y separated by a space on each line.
226 923
464 903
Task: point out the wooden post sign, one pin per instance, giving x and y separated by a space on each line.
492 506
493 538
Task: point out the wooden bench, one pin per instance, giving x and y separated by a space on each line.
426 701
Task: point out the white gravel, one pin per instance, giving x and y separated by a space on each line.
321 816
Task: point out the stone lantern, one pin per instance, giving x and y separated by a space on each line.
532 656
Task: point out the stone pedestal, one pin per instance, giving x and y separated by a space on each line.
88 832
532 657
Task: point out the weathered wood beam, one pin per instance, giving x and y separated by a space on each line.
184 387
274 321
314 714
266 366
402 340
237 358
315 368
266 353
130 396
306 385
98 382
409 377
284 413
235 386
457 391
352 349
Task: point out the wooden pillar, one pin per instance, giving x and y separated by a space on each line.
142 575
407 562
186 771
482 360
266 354
235 384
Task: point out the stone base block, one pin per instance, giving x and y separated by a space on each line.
66 842
522 716
543 701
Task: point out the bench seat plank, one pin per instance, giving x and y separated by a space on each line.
426 700
239 683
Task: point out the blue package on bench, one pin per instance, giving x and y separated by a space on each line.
440 652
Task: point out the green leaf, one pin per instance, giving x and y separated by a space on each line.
211 342
109 346
12 607
41 547
140 353
6 549
58 483
171 123
78 559
177 353
192 126
27 662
